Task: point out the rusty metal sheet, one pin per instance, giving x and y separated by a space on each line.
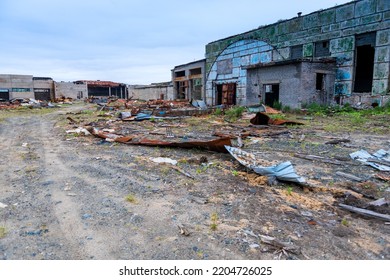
217 145
283 171
264 119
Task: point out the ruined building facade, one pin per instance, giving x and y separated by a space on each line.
336 55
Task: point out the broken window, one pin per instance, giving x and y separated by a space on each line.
182 89
320 81
321 49
364 61
296 52
180 74
195 71
271 94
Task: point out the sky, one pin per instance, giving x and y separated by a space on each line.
127 41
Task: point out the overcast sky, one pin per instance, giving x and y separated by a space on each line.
129 41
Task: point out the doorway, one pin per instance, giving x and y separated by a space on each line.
364 62
271 94
226 94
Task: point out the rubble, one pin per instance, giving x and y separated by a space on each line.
379 160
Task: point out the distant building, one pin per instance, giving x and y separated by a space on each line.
71 89
26 86
105 88
188 80
336 55
162 91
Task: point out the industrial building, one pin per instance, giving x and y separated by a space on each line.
163 91
26 86
188 80
336 55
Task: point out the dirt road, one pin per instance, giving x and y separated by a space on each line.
82 198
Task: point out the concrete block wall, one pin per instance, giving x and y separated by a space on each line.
70 89
13 82
338 25
149 92
229 67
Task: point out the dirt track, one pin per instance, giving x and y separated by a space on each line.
66 200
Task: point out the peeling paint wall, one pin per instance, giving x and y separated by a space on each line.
229 67
337 26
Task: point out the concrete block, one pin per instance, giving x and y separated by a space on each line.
343 88
371 19
345 58
381 71
380 86
344 74
345 44
382 54
386 15
365 7
349 23
383 5
383 37
345 12
311 21
327 17
281 54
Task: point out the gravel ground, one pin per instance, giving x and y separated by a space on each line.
66 197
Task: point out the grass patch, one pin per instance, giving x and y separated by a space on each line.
214 221
3 232
131 198
234 113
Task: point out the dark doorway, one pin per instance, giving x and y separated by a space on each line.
364 68
42 95
271 94
364 61
4 95
226 94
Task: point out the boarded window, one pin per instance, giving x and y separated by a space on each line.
321 49
296 52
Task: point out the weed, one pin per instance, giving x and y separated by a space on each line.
277 105
217 112
344 222
202 169
234 113
289 190
131 198
234 172
3 232
214 221
200 254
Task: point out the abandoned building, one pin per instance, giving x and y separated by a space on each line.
336 55
26 86
188 80
71 89
105 88
163 91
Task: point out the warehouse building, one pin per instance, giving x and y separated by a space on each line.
337 55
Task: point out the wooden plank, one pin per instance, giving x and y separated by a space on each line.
365 212
349 176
